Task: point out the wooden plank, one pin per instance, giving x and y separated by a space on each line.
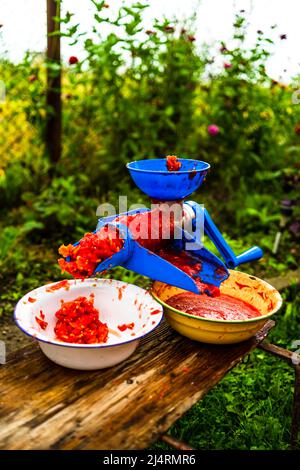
282 282
44 406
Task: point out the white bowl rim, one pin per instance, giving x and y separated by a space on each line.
86 346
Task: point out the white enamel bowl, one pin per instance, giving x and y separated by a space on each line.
119 303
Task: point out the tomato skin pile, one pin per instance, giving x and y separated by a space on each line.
172 163
223 307
91 250
78 322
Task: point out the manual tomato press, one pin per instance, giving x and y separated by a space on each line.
175 256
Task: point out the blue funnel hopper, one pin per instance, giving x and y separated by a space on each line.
153 178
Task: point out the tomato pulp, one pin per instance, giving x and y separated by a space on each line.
223 307
191 266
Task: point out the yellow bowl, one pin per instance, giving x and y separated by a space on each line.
251 289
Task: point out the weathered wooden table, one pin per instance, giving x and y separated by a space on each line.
129 406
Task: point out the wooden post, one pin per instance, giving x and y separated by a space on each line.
53 124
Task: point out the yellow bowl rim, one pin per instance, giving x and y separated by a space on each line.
212 320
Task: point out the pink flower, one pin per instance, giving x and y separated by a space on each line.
73 60
213 129
227 65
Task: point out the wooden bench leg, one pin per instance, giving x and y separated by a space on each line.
179 445
294 360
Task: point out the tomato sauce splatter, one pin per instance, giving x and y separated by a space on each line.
128 326
120 292
154 312
59 285
78 322
41 321
31 300
223 307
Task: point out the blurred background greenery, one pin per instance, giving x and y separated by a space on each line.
148 93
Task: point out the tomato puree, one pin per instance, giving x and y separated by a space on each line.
223 307
190 265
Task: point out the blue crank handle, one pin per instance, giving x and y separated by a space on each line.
231 260
252 254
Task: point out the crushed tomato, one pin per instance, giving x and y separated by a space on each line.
78 322
91 250
173 164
